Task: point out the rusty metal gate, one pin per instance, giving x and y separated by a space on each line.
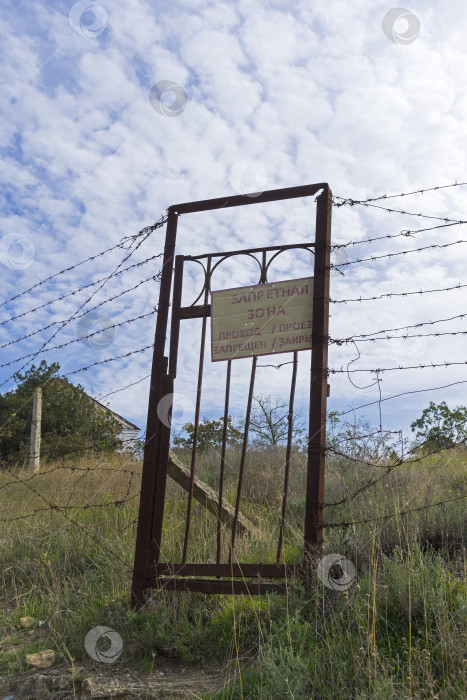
223 573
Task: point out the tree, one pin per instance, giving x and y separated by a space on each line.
209 434
358 439
269 421
72 423
438 427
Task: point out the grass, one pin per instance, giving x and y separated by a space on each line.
398 632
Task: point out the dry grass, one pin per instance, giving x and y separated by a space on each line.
396 633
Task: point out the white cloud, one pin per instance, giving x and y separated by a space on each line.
305 94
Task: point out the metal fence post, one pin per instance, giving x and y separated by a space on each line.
318 386
149 475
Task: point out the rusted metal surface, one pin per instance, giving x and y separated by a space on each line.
222 572
196 423
160 476
247 251
243 457
201 311
220 587
247 199
148 480
176 315
288 455
225 570
222 466
318 387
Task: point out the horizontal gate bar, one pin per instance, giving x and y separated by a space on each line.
250 198
231 570
195 311
267 249
216 586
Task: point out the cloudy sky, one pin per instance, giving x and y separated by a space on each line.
268 94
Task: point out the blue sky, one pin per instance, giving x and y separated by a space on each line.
271 95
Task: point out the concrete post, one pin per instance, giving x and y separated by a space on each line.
35 445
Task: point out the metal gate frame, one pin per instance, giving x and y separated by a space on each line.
148 572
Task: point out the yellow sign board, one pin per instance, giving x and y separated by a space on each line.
264 319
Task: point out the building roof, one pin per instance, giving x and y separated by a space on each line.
121 419
126 422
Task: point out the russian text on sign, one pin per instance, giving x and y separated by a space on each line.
247 312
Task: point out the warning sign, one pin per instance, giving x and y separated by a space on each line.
264 319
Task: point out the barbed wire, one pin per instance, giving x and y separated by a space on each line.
413 325
61 508
392 515
68 507
28 400
88 311
78 450
407 233
76 291
397 396
64 467
420 447
342 341
109 359
88 505
432 365
127 498
330 370
85 470
116 391
54 507
407 194
144 236
373 258
399 294
355 202
121 244
357 436
388 468
282 364
72 317
77 340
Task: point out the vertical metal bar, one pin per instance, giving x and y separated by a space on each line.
264 276
197 411
223 449
318 386
175 325
145 517
163 444
287 456
243 457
